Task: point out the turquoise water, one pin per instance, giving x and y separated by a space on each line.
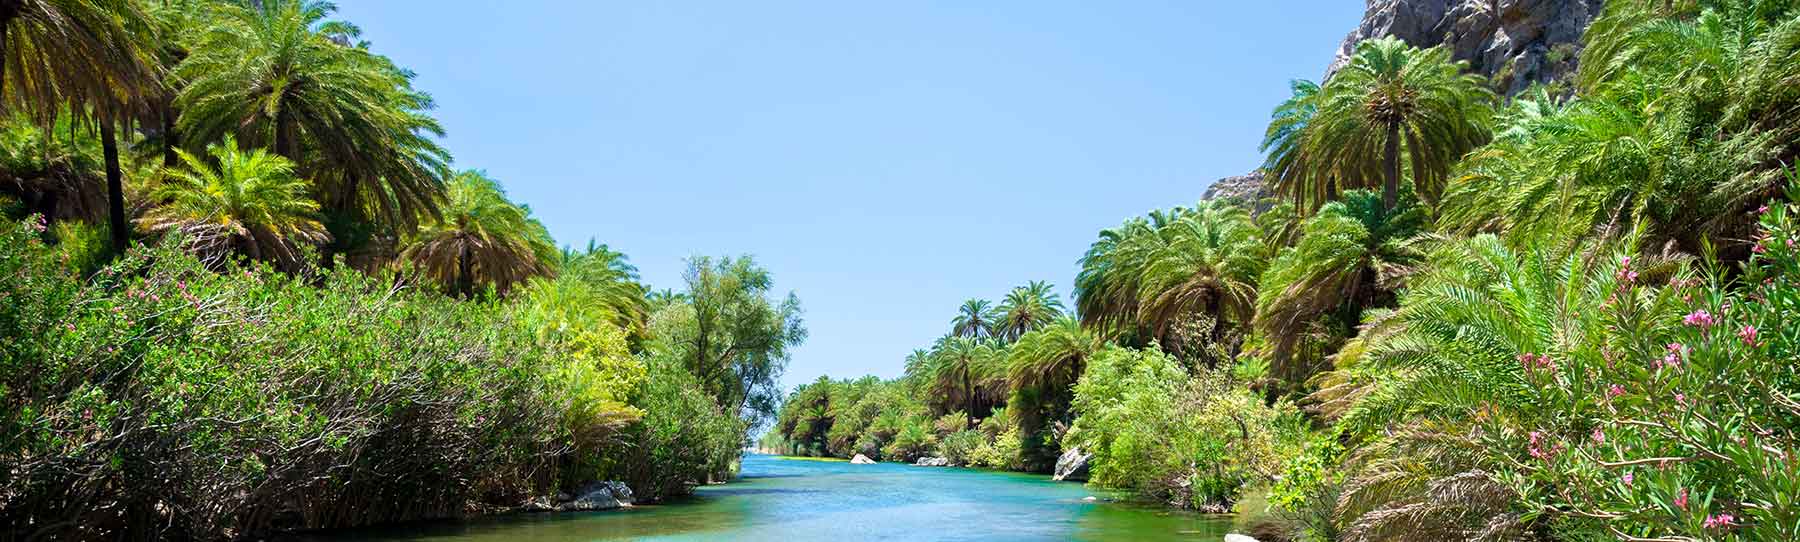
793 500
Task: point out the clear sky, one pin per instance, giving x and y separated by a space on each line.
884 160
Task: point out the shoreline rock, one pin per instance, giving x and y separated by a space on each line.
932 462
861 459
590 497
1072 466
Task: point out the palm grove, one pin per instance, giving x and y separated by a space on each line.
245 291
1559 315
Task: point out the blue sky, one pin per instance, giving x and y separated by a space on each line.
884 160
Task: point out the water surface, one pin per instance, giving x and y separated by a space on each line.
796 500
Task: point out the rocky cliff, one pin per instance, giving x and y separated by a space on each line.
1513 42
1247 190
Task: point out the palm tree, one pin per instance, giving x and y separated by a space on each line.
85 53
963 371
1352 255
1448 357
1393 104
614 280
279 73
1206 271
1028 307
1042 368
1284 142
481 240
975 319
1108 288
248 201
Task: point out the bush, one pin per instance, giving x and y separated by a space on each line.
960 447
1192 443
215 405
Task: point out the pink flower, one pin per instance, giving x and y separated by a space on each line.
1625 261
1627 478
1762 209
1681 500
1748 334
1615 391
1759 248
1718 520
1599 436
1681 398
1700 318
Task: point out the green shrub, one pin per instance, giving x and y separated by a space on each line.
960 447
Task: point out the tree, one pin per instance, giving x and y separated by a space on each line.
1284 142
1041 369
1161 277
1352 255
976 319
1203 279
1027 307
732 336
1393 104
615 282
279 73
481 240
963 373
85 53
247 201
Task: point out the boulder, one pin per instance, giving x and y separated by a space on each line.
932 462
1234 537
598 496
1072 466
861 459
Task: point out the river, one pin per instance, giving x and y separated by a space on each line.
797 500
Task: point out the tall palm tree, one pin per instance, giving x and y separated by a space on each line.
279 73
1028 307
1352 255
1394 104
1207 271
1284 143
975 319
247 201
85 53
1042 368
481 240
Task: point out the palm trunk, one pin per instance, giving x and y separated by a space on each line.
115 185
465 285
1390 187
969 399
169 158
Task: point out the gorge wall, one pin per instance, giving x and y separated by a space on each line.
1514 43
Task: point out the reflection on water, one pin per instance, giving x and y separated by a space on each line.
794 501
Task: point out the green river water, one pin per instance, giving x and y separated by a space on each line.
795 500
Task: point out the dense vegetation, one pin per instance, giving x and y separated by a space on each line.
242 290
1561 315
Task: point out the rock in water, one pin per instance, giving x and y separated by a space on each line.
932 462
1072 466
1512 42
598 496
861 459
1234 537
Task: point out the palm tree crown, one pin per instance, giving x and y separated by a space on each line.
482 240
1393 104
245 200
1028 307
975 319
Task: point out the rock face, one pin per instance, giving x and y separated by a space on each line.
1248 191
1072 466
1513 42
932 462
861 459
594 496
